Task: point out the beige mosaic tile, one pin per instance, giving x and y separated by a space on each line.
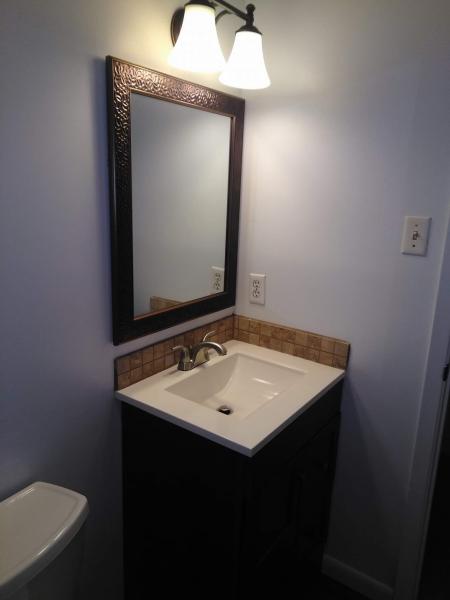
327 345
147 355
158 303
254 327
326 358
253 338
123 380
136 359
143 363
287 348
148 369
312 346
135 375
123 365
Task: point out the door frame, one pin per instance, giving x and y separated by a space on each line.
428 442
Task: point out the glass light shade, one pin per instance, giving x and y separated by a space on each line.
197 48
245 68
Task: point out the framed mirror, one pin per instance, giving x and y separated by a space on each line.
175 151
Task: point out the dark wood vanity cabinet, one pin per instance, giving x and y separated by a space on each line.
204 521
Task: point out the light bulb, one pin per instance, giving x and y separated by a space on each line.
197 48
245 68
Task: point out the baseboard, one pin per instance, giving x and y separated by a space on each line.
355 580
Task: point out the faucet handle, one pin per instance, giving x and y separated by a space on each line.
184 363
209 335
184 350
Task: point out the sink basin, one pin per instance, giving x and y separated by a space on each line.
240 400
239 384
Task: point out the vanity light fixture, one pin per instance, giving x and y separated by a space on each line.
197 48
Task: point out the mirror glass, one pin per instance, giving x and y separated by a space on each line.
180 172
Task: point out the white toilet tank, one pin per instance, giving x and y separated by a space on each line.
41 540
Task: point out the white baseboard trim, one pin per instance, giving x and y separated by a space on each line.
355 580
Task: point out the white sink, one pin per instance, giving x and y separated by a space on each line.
239 383
265 390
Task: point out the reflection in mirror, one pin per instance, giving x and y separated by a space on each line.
180 164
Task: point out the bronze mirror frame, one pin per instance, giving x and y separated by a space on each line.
123 78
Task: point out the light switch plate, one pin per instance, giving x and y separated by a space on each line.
257 288
415 235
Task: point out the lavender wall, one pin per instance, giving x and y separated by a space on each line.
353 135
59 421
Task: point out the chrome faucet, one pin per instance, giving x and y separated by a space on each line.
193 356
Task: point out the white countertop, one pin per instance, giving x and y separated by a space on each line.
245 435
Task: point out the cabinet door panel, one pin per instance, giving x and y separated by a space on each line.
269 512
314 474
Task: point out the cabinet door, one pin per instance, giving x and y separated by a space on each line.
268 525
271 511
314 468
182 512
289 517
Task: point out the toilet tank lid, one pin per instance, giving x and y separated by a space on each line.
36 524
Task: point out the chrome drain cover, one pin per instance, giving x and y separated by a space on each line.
225 410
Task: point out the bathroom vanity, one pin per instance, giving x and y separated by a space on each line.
227 506
228 468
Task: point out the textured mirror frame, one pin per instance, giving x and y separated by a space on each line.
123 78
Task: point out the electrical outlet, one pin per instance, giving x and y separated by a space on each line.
217 277
257 288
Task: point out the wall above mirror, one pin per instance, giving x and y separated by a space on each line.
175 172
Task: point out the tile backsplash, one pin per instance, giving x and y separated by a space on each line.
138 365
152 359
312 346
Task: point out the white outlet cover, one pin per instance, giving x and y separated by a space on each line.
257 288
415 235
217 279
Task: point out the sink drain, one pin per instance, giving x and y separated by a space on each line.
225 410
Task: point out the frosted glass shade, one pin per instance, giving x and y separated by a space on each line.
197 48
245 68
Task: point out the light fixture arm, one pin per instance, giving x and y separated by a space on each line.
222 14
248 17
